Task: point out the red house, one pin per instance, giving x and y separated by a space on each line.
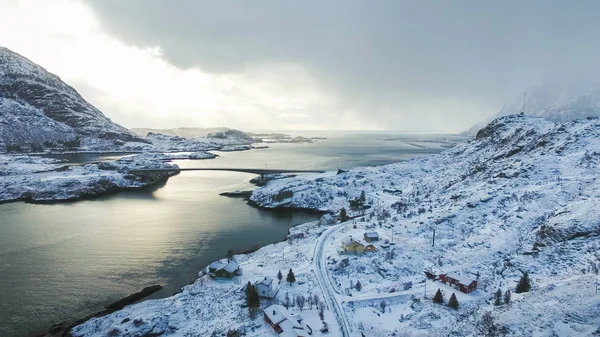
286 323
462 283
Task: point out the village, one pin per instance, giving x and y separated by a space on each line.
297 308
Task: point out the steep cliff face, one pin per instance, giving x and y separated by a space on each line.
37 107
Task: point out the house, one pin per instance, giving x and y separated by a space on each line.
285 323
352 245
266 288
327 220
371 236
462 283
221 269
213 267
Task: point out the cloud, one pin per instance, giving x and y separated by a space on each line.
426 65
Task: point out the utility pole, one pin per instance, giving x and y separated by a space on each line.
524 97
433 243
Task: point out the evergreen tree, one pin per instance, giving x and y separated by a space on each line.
438 298
453 302
524 284
507 297
498 297
344 215
252 298
279 276
291 278
358 286
363 197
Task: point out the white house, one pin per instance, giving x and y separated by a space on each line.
266 288
327 220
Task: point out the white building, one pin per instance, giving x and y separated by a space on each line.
266 288
327 220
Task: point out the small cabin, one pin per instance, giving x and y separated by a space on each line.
371 236
370 248
352 245
327 220
226 270
462 283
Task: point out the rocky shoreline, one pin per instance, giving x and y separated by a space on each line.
63 329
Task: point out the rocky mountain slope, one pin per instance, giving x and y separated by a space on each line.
557 102
38 109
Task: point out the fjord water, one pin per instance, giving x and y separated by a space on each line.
63 261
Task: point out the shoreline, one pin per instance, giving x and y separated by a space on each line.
63 329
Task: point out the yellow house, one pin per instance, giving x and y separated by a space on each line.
353 245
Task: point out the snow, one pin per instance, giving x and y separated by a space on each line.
562 102
37 179
521 197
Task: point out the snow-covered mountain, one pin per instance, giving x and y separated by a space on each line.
187 132
557 102
521 196
38 109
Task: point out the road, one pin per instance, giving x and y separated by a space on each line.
320 269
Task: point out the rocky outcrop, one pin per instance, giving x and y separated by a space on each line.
38 109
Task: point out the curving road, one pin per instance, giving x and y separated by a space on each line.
320 269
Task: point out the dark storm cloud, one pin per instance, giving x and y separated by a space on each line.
377 55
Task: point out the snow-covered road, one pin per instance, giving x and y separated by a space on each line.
325 283
320 269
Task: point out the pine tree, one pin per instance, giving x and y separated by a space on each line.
498 297
252 298
279 276
439 297
507 297
363 197
343 215
453 302
358 286
291 278
524 284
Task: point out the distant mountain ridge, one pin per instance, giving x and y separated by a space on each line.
557 102
37 108
185 132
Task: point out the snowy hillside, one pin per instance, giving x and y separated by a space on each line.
36 107
557 102
520 197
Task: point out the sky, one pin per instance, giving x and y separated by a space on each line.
438 66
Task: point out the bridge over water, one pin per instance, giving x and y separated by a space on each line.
260 172
244 170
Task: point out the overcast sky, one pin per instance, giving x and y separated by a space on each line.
311 64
